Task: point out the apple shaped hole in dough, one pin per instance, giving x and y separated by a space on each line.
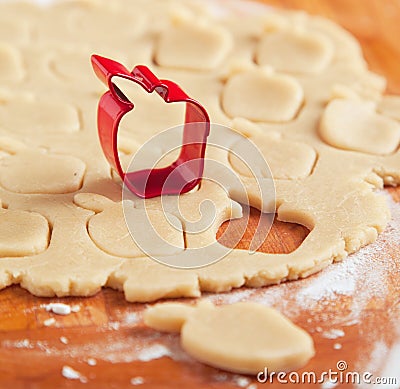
287 159
29 116
354 125
109 231
36 172
22 233
295 51
262 96
241 337
11 67
193 46
272 244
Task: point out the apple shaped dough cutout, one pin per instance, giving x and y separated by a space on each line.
214 335
299 51
354 125
48 173
22 233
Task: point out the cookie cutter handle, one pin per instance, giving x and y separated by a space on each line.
187 170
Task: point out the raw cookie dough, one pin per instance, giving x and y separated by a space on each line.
286 159
10 63
354 125
390 106
22 233
47 173
52 165
295 51
39 116
193 46
243 337
261 96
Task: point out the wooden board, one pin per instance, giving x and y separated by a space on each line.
32 355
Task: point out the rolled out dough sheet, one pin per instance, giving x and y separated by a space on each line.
313 108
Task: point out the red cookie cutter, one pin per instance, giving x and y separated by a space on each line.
113 105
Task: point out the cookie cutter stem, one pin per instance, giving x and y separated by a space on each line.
113 105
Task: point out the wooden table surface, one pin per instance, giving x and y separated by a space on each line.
32 355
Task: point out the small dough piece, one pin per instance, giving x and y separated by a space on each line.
295 51
22 233
30 116
11 67
354 125
262 96
193 46
168 317
32 171
287 159
243 337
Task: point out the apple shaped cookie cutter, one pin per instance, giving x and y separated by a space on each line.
182 175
